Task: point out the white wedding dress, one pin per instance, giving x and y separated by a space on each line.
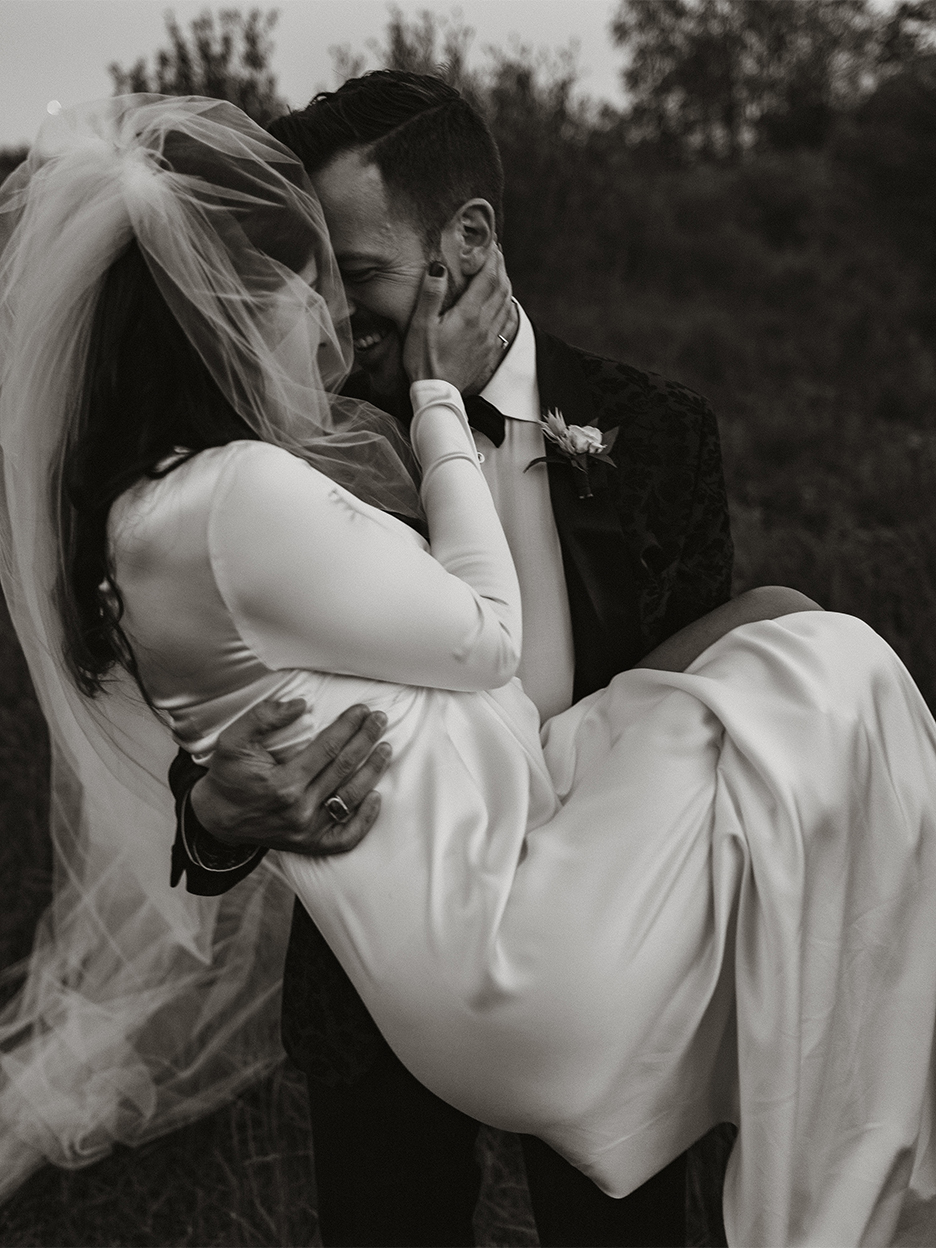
693 897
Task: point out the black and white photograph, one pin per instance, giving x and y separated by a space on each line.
468 624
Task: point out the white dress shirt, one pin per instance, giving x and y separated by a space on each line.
547 665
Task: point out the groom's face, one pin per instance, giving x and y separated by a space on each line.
382 257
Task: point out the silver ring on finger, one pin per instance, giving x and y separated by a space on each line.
337 808
503 341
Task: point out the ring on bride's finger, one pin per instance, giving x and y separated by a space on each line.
337 808
503 341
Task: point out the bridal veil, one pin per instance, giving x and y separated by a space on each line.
145 1007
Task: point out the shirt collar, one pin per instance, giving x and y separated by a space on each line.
513 389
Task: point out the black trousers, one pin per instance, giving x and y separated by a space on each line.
394 1165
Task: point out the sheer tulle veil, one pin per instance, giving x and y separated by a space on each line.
143 1006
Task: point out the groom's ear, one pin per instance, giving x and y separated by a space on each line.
469 236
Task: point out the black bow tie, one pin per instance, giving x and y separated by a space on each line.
485 417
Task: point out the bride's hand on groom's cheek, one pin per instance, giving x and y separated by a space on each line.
462 345
249 797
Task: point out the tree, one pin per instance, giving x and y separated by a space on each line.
227 59
715 77
890 144
548 136
428 44
412 46
907 35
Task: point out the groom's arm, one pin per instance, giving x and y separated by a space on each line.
248 800
703 575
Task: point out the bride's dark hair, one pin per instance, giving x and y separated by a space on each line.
147 392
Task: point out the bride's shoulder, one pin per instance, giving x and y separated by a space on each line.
246 468
186 486
259 473
222 490
262 486
247 457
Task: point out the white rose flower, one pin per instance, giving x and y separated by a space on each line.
585 439
577 442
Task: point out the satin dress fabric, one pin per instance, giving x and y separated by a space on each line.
690 898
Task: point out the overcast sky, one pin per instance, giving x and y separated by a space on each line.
60 49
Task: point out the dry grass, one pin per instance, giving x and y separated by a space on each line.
241 1177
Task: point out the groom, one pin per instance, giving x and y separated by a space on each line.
408 173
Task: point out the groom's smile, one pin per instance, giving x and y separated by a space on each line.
369 333
382 256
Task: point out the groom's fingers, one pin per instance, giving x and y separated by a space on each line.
246 735
332 758
252 797
317 832
339 838
357 787
341 761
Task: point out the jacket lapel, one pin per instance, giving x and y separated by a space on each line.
598 565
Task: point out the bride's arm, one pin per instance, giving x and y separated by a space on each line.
463 345
313 579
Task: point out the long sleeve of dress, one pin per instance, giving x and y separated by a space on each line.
314 578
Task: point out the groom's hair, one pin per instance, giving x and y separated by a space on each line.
433 149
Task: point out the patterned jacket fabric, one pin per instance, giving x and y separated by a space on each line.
664 557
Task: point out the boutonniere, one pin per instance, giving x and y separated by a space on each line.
579 446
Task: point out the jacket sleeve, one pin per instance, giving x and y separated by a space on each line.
703 577
209 866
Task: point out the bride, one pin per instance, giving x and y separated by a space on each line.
696 896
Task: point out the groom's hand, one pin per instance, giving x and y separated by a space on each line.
250 797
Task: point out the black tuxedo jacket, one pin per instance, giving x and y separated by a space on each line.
648 553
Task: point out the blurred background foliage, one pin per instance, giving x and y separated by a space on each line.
758 222
227 58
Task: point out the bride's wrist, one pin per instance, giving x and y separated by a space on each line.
439 426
